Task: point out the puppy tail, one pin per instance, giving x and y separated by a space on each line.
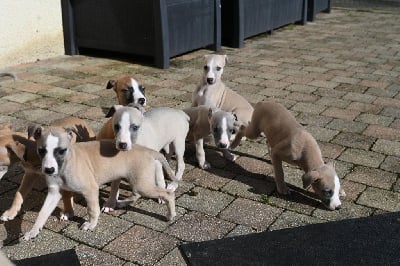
166 167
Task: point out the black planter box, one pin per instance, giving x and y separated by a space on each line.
316 6
242 19
156 28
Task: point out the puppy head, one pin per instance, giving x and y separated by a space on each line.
213 68
52 147
128 91
126 122
325 183
223 127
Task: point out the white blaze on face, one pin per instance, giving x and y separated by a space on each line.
49 160
137 94
124 134
335 201
224 133
210 73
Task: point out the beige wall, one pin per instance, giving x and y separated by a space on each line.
29 30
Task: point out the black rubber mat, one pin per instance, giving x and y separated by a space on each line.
63 258
365 241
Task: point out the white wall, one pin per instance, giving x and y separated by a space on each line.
29 30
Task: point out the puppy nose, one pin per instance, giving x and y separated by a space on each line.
210 80
141 101
122 145
338 207
49 170
222 145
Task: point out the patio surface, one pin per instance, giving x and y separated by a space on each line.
340 76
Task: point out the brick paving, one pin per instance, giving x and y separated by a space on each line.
340 76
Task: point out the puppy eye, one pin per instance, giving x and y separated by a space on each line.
328 193
233 131
61 151
117 128
206 68
42 152
134 127
218 68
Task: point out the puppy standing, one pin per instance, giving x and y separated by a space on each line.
289 142
19 147
205 121
128 91
83 167
156 129
213 92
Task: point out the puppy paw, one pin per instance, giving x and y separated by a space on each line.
171 216
172 186
107 209
31 234
161 201
284 190
87 226
342 193
8 215
205 166
65 216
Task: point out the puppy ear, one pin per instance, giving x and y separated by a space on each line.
17 148
34 131
111 84
71 130
309 178
113 109
226 59
137 106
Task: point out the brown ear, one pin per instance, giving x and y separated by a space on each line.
17 148
34 131
111 84
309 178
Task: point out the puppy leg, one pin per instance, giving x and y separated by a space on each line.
26 186
92 200
179 147
231 157
239 135
68 200
200 155
278 174
52 198
112 200
165 194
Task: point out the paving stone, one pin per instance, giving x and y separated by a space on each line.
347 126
352 189
331 151
329 101
391 164
197 227
45 243
290 219
364 107
391 111
91 256
250 213
107 229
240 230
349 210
380 199
40 116
361 157
11 107
249 187
344 114
321 134
372 177
382 132
21 97
204 200
298 200
145 246
387 147
354 140
213 178
151 214
173 258
359 97
315 120
308 108
375 119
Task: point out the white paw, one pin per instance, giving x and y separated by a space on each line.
65 216
107 209
161 201
172 186
31 234
6 216
205 166
87 226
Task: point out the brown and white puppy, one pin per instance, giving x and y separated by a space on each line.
128 91
21 148
205 121
290 142
157 129
213 92
83 167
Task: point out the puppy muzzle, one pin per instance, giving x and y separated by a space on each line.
142 101
210 81
123 146
49 170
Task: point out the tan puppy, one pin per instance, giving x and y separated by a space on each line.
213 92
205 121
20 148
83 167
128 91
290 142
5 129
